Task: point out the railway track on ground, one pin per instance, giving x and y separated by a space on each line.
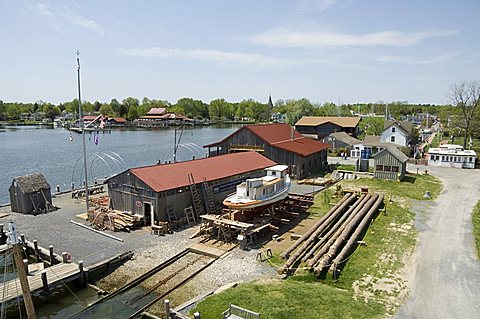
132 299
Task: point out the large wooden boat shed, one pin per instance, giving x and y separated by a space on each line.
320 126
30 194
162 192
280 143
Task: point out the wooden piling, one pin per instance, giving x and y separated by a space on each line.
82 274
317 231
300 241
22 237
35 247
25 264
364 224
65 257
52 260
343 237
196 315
168 314
46 289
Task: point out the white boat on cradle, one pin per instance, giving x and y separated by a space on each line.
261 191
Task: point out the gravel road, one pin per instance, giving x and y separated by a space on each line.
445 271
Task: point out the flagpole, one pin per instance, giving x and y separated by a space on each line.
83 130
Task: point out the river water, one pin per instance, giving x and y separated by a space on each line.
29 149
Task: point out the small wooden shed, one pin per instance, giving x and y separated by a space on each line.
390 163
30 194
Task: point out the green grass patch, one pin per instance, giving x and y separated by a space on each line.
347 167
367 282
476 226
290 299
412 186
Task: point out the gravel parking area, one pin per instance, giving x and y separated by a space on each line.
55 229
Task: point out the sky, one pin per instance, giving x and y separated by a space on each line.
347 51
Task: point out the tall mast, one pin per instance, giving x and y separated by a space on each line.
83 129
22 273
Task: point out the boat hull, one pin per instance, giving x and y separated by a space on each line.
255 204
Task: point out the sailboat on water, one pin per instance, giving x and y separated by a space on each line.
262 191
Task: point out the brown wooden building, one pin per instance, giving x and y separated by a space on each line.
162 192
280 143
320 126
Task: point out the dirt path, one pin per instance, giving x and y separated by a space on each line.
445 275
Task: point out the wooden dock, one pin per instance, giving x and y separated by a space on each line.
56 275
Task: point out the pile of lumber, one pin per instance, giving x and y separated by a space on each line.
332 239
106 219
103 201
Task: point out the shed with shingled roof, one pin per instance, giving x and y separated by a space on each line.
30 194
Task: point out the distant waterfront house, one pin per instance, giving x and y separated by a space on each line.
320 126
30 194
341 140
450 155
278 117
397 132
159 117
37 116
390 163
278 142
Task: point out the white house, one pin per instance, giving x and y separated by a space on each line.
397 132
450 155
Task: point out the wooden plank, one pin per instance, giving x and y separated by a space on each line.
215 219
56 275
206 250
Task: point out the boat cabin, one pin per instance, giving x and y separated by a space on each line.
266 186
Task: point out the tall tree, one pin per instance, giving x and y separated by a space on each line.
116 106
466 96
298 108
128 103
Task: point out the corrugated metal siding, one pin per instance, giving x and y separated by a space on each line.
124 199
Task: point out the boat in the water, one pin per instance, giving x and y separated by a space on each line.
261 191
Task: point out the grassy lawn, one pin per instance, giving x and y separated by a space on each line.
476 226
369 282
413 186
288 300
347 167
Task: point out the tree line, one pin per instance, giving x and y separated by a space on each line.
463 114
217 110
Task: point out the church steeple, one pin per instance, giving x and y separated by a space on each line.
270 103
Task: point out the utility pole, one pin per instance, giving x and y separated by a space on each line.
82 127
22 273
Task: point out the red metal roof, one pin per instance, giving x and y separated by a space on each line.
171 176
119 119
279 135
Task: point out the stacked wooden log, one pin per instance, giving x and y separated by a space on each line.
103 201
107 219
331 240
